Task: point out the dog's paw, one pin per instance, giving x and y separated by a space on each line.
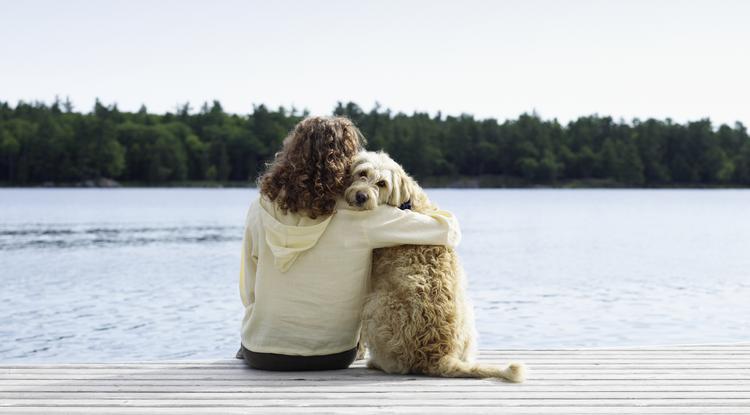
361 351
372 365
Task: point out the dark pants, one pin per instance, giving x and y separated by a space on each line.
283 362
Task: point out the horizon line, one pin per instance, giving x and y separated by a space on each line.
293 110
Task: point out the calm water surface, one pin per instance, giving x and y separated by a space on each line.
136 274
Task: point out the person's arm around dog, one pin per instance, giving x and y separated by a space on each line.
390 226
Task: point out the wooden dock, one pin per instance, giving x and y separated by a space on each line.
655 380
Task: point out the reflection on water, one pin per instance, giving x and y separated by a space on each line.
134 274
35 236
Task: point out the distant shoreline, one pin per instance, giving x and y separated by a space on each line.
42 144
440 182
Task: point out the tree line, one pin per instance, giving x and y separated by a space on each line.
42 143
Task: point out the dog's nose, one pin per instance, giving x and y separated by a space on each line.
361 198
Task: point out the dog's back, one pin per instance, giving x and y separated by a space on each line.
416 319
416 310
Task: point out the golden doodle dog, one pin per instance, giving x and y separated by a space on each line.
416 317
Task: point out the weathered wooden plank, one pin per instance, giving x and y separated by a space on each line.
636 367
622 375
728 346
536 369
483 357
743 349
425 409
370 388
496 401
557 366
547 359
722 356
541 361
356 395
675 350
400 382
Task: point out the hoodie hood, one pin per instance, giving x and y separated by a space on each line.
289 235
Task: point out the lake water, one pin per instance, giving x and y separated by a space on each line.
137 274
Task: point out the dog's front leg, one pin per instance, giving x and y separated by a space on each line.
361 348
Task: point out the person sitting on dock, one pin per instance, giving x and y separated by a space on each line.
306 253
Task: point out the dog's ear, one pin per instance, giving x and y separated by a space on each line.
395 197
403 189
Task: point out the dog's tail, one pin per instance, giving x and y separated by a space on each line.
453 367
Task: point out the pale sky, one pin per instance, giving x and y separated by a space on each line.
680 59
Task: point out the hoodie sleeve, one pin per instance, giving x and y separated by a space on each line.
389 226
249 260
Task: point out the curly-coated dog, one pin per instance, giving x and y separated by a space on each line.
416 317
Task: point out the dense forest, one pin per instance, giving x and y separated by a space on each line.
42 143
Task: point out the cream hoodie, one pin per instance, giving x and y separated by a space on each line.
303 281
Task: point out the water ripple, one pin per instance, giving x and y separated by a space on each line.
46 237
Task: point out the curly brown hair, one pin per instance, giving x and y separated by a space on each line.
311 170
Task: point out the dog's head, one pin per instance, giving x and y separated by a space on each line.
378 180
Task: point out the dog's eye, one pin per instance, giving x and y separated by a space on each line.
363 174
381 183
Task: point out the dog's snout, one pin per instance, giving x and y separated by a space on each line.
361 197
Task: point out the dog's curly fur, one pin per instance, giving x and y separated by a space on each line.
416 317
